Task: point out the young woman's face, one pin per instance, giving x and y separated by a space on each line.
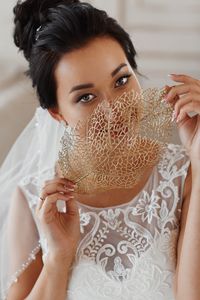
98 71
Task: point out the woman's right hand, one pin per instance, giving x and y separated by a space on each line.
61 229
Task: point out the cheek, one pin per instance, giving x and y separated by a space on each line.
68 112
73 113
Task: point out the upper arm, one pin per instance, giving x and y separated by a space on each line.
26 281
184 212
22 238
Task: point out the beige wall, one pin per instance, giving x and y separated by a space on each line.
165 34
17 100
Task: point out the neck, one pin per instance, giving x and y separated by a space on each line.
115 196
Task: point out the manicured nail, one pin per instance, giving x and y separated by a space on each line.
170 75
69 186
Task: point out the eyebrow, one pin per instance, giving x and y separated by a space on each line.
90 85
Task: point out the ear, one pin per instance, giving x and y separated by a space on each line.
55 114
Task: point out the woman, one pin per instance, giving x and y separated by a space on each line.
78 55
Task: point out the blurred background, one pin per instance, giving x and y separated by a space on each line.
166 35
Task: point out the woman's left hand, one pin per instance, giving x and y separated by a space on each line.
185 98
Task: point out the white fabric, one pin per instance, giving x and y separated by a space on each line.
126 252
34 152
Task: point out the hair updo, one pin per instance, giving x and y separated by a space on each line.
47 29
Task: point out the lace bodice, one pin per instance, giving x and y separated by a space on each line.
128 251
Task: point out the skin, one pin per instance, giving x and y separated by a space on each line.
185 98
94 63
63 230
80 68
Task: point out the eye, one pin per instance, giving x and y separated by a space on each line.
122 80
86 98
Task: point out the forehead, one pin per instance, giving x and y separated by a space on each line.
98 57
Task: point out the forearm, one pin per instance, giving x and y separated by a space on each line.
52 282
188 282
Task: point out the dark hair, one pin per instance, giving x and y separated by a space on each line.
47 29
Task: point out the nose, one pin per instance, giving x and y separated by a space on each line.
108 97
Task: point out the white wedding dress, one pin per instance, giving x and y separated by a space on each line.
128 251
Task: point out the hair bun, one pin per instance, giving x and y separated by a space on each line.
28 16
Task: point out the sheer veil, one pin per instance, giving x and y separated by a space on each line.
29 163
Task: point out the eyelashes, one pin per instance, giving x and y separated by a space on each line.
85 101
124 77
88 99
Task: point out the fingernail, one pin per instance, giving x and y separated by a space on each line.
170 75
71 190
69 187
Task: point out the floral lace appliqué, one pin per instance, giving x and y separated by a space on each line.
147 207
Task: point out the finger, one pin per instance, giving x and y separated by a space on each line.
39 205
63 181
54 188
179 90
51 201
184 119
182 78
180 103
193 106
167 88
72 208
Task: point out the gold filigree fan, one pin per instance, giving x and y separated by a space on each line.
120 139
